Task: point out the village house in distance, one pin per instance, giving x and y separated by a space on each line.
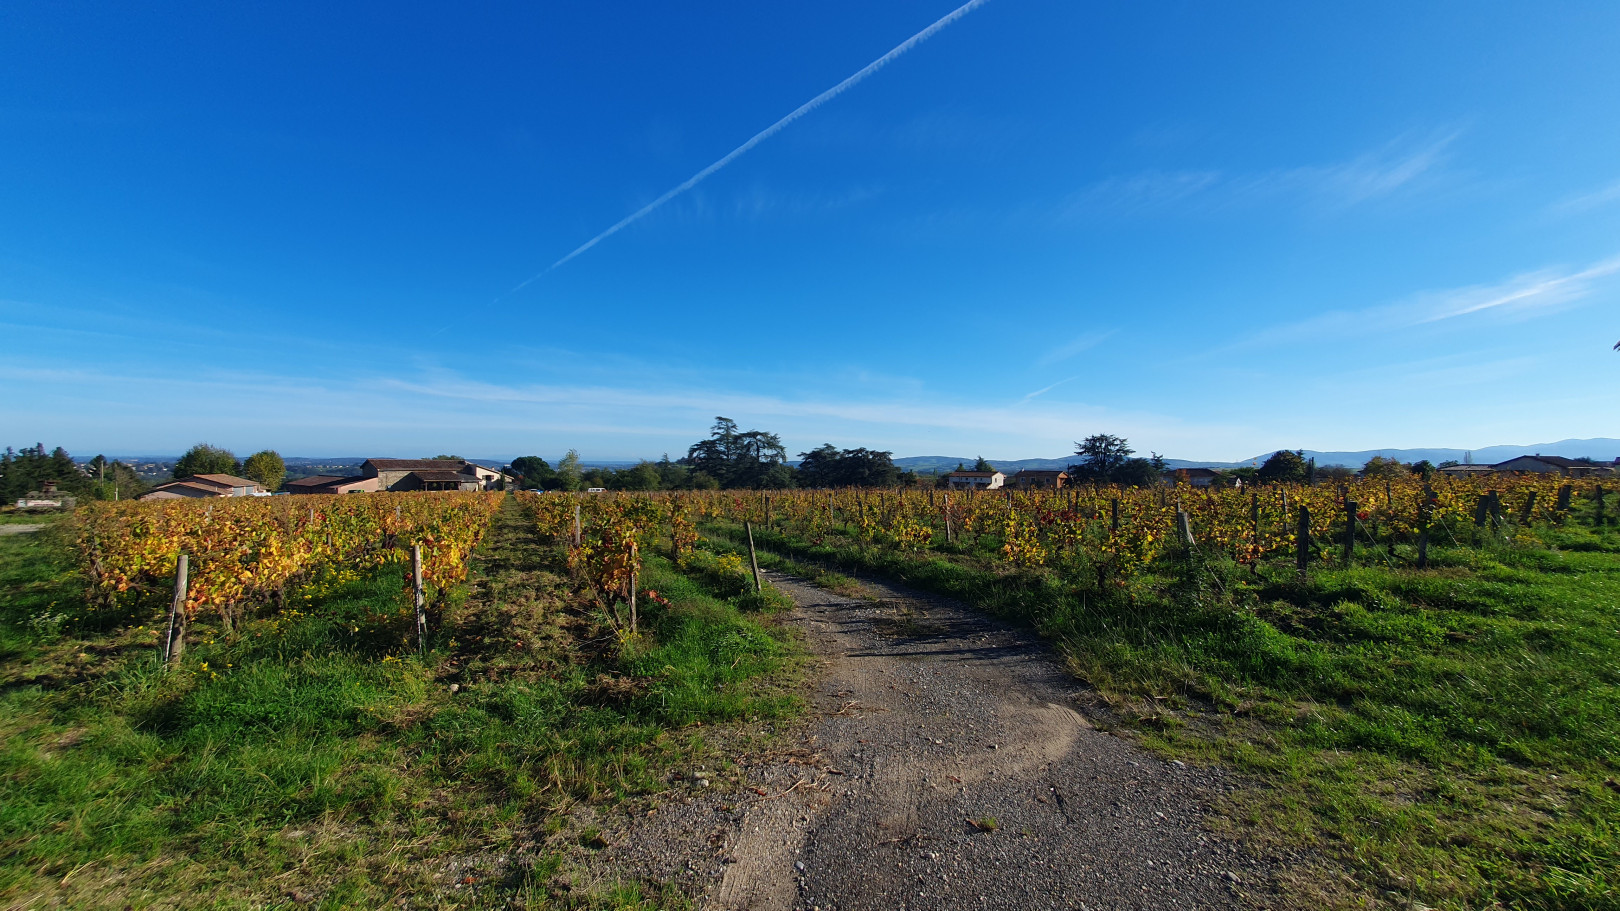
206 485
375 475
975 480
404 474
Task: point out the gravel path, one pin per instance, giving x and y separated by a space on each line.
947 768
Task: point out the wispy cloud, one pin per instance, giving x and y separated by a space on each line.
1523 295
777 127
1077 345
394 414
1585 202
1045 389
1532 291
1377 174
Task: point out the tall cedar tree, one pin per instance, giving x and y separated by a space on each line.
733 458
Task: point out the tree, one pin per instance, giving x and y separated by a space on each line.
1422 468
1338 474
734 458
1102 455
1386 469
205 459
22 473
828 466
114 480
1139 472
569 474
266 467
533 471
982 465
641 476
1284 467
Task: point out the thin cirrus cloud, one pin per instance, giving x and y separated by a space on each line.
1380 173
1586 202
1077 345
373 414
1045 389
1521 296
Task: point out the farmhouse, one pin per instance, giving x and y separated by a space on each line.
206 485
1467 471
325 483
1554 465
1028 479
975 480
1195 477
430 474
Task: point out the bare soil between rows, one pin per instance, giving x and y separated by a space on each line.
948 763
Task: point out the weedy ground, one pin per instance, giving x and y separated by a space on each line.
1447 738
312 759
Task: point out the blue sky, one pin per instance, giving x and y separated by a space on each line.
1215 229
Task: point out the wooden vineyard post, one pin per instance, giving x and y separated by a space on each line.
1349 530
1302 555
1184 529
175 644
420 597
577 534
1529 508
950 536
1565 494
1482 510
753 558
1425 513
635 578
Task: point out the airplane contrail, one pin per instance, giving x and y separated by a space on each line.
766 133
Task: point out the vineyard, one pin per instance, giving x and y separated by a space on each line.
1418 669
307 744
1112 532
243 554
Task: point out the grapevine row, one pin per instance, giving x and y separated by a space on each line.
244 552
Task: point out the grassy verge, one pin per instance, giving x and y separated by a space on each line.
312 760
1447 738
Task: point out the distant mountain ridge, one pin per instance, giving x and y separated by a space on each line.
1602 449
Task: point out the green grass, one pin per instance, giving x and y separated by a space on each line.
1449 738
312 759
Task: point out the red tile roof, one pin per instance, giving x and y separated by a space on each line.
222 480
437 476
418 464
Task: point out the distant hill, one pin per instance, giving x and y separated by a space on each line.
1601 449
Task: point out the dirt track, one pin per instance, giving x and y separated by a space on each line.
948 768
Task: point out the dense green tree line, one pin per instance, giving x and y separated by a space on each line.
28 471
